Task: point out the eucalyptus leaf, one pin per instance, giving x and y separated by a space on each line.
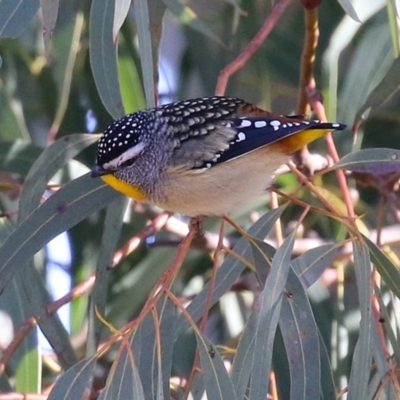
371 161
70 205
16 15
103 56
75 383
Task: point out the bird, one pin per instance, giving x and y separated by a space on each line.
201 157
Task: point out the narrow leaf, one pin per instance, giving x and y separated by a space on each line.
311 264
70 205
301 337
267 318
362 358
241 367
385 267
153 370
349 9
328 390
111 233
218 385
230 269
385 89
16 15
373 161
75 383
103 56
120 12
51 326
29 373
47 164
18 156
49 13
123 381
146 51
187 16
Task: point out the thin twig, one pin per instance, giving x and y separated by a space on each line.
252 47
303 157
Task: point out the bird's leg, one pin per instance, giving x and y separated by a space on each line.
196 224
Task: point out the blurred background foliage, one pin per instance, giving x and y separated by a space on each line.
67 69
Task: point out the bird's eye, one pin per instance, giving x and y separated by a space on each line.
128 162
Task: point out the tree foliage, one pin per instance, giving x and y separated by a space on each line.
297 298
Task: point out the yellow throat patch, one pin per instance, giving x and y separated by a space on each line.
123 187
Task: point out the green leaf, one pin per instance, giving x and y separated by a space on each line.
70 205
16 15
217 383
49 15
47 164
372 55
103 56
26 360
123 382
66 45
18 156
372 161
311 264
241 367
267 318
120 12
38 297
349 9
111 233
148 17
13 125
328 390
383 91
155 369
301 337
187 16
380 360
75 382
389 272
362 358
130 85
28 378
230 269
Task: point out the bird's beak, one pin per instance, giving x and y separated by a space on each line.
97 171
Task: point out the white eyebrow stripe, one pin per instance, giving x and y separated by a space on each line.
127 155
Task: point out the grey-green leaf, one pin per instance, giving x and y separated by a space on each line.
349 9
103 56
123 381
49 13
217 383
311 264
373 161
388 271
231 268
70 205
16 15
47 164
301 337
75 383
361 363
267 318
120 12
385 89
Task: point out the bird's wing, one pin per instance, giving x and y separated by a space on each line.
236 136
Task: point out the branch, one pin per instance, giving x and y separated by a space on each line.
252 47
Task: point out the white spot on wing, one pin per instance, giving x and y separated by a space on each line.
260 124
245 123
275 124
241 136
